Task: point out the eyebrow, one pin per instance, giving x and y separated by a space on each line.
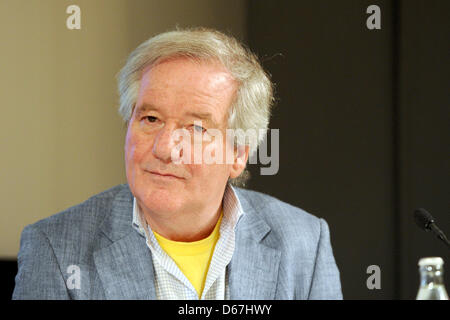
145 107
207 116
201 115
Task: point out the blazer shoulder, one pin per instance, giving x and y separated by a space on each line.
84 216
280 215
267 204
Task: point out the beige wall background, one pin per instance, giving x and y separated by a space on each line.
61 137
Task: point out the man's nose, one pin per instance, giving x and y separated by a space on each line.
164 144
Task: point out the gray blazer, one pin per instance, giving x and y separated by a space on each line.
281 252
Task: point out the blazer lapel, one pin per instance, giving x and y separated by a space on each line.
124 263
253 270
125 266
125 269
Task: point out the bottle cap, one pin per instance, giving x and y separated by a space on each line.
433 261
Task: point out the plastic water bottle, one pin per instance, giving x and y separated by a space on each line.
431 279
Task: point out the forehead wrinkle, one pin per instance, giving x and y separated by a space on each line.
198 109
208 90
191 101
206 103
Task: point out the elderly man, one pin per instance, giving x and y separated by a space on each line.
179 229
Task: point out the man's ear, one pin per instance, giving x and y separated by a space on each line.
240 161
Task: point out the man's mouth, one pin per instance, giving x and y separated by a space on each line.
164 175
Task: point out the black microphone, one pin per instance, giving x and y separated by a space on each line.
426 222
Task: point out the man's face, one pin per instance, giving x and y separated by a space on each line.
173 95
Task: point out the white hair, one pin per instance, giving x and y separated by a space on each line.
254 97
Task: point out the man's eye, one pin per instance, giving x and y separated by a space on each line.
198 129
151 118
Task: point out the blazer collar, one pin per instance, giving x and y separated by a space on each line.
124 263
118 222
253 270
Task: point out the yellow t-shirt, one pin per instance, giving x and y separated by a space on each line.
193 258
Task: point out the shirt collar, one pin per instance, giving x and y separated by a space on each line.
232 211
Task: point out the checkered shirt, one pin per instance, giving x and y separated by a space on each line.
170 282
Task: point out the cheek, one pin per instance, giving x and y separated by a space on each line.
215 174
135 149
209 177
